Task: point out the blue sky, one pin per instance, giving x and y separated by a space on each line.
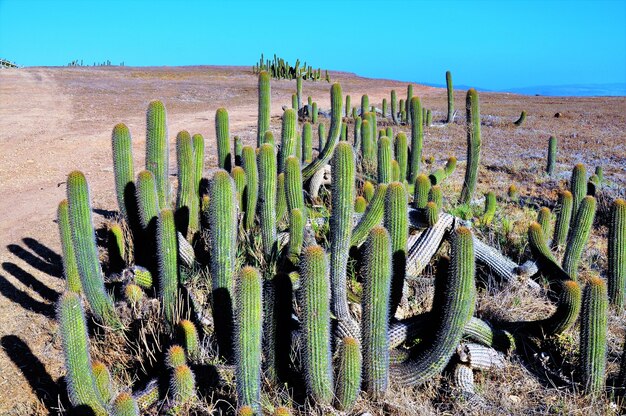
489 44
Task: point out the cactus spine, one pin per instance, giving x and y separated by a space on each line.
402 154
348 380
252 186
397 223
167 249
593 330
187 202
123 167
617 253
224 160
84 242
473 146
417 138
384 160
579 235
264 107
267 197
561 228
375 304
248 338
70 268
157 150
450 89
551 155
314 293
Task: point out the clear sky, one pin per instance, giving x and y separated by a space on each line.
488 44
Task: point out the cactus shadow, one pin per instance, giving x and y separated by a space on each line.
29 280
107 214
49 392
223 319
50 256
45 261
8 290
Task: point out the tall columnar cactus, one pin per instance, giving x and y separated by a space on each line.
167 253
321 137
402 110
147 198
264 106
417 138
551 155
267 138
563 219
348 106
267 197
252 186
384 160
84 242
593 330
384 109
157 150
454 306
521 119
314 113
579 235
367 146
293 185
394 107
222 218
429 118
368 190
432 213
125 405
360 205
297 222
313 294
333 135
450 166
183 386
365 104
357 133
377 265
289 138
348 374
102 379
222 135
238 145
397 223
395 171
344 131
187 199
198 157
544 219
188 335
281 197
578 186
421 189
436 195
239 176
450 89
307 143
409 105
70 268
248 338
372 216
123 168
617 253
402 154
81 385
294 102
490 207
299 91
472 107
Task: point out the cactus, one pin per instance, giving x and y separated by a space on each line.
239 176
402 154
125 405
198 157
450 166
513 193
84 244
563 218
294 102
567 310
81 387
314 113
252 186
188 335
384 109
490 207
299 91
133 294
432 213
347 112
394 107
578 186
375 303
545 259
384 160
238 145
281 411
450 89
187 203
617 254
175 356
142 277
357 133
473 146
267 197
248 338
365 104
593 330
314 293
409 106
222 137
183 385
222 220
157 150
307 143
368 190
102 379
436 195
599 173
429 118
289 138
551 155
281 197
293 185
402 106
264 106
437 176
167 253
397 223
348 379
360 205
543 218
395 171
343 193
422 189
321 137
344 132
70 268
521 119
453 307
579 235
417 138
123 168
372 216
367 145
297 222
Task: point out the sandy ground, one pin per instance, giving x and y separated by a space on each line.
55 120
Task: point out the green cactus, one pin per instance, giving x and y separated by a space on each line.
123 168
133 294
321 137
617 254
436 195
198 157
314 113
551 155
599 173
142 277
116 246
384 108
490 207
84 243
348 106
543 218
344 132
521 119
360 205
167 253
294 102
432 213
297 222
293 185
267 197
563 218
455 299
222 220
397 223
409 106
70 268
450 89
125 405
422 189
567 309
264 106
394 107
384 160
437 176
238 145
348 379
368 190
188 335
417 138
299 92
375 303
365 105
450 166
373 216
473 146
187 203
314 294
367 146
239 176
402 106
578 186
357 132
395 171
545 259
157 150
429 118
222 137
183 385
248 338
175 356
593 330
307 143
402 154
102 379
513 193
81 386
252 186
579 235
281 197
289 138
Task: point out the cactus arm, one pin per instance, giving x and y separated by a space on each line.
267 197
157 150
473 146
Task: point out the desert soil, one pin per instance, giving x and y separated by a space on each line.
55 120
